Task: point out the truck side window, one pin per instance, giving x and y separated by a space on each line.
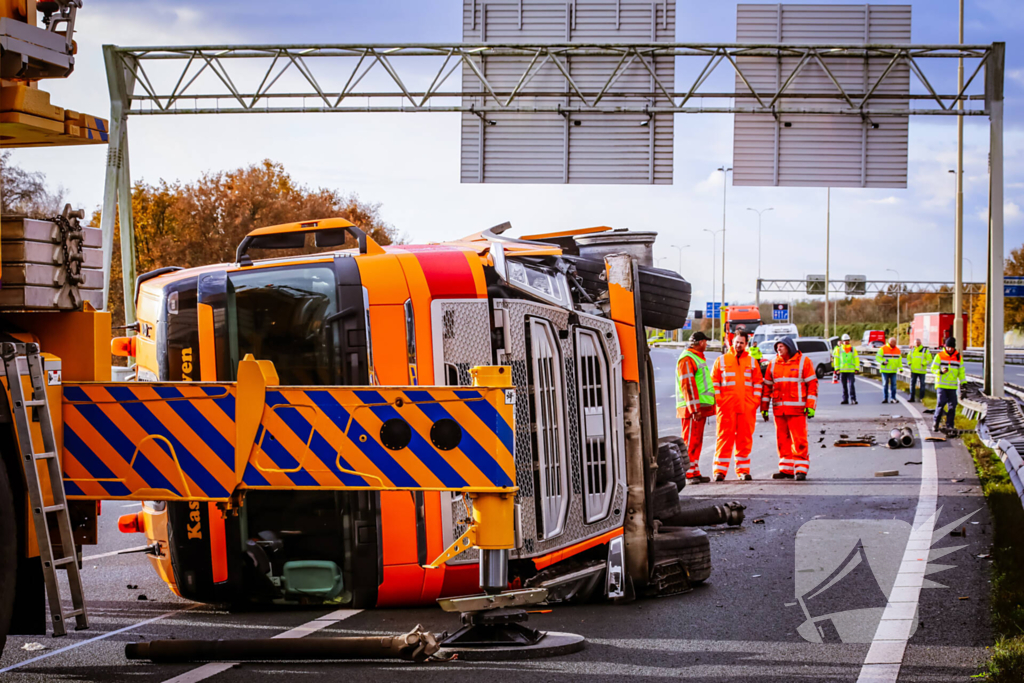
279 314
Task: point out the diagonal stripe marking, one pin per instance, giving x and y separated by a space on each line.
490 416
473 450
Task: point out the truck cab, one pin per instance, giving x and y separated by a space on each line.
403 315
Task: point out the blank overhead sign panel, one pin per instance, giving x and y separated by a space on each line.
572 146
823 150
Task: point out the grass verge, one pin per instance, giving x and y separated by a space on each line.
1006 664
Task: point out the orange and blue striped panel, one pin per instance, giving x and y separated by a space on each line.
152 441
176 441
332 438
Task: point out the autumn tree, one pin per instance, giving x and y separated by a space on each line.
202 222
25 193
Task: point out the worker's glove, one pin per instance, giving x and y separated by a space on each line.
809 412
764 414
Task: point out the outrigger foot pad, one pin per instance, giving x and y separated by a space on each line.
493 629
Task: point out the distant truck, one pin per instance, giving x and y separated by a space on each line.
933 328
873 339
741 317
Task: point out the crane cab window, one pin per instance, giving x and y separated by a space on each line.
284 315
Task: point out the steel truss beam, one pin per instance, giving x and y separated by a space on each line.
872 287
205 79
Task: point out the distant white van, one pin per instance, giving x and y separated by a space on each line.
776 331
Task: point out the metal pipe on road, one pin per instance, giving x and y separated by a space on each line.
417 645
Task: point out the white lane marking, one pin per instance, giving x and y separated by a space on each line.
114 552
885 656
99 637
213 668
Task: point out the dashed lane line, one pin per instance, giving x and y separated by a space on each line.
213 668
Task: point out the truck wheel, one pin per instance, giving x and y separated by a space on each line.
666 497
689 545
8 555
821 371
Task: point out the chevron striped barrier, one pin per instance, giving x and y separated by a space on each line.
192 441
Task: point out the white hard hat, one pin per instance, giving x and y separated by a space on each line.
846 337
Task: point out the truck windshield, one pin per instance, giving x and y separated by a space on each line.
748 325
280 314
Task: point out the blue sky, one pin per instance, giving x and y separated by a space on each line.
410 163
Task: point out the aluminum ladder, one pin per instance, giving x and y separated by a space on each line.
20 360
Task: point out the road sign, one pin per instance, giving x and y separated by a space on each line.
780 313
815 284
1013 287
698 315
689 324
572 146
714 310
856 285
821 150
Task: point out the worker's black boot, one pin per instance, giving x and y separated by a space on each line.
800 476
781 475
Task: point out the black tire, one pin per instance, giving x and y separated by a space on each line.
8 555
821 371
665 498
666 465
692 546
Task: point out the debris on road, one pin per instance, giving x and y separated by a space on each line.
861 440
33 647
758 521
887 473
911 462
962 531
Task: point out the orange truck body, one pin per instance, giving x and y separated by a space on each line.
745 317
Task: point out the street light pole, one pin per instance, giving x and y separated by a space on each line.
970 304
828 237
757 294
713 234
899 286
685 246
958 268
725 185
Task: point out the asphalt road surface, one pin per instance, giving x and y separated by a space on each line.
813 562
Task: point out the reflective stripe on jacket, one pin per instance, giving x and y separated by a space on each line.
694 389
737 381
790 386
920 359
845 359
889 359
948 370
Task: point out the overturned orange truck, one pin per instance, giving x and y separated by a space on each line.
567 322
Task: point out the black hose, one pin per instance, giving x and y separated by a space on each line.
707 515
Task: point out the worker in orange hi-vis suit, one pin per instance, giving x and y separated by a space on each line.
695 402
791 387
737 380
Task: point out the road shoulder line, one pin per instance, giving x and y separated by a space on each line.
885 656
